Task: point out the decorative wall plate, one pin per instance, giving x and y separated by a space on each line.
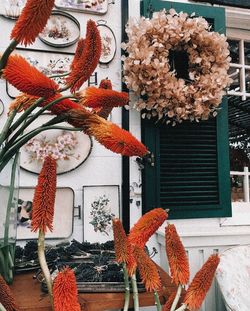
12 8
108 42
1 107
62 30
69 148
98 7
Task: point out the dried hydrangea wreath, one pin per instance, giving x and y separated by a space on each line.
147 70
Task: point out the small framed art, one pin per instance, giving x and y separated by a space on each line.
108 42
100 205
63 214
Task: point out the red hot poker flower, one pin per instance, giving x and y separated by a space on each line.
32 20
65 291
147 269
201 283
105 84
78 53
97 98
6 297
27 78
107 133
120 240
87 63
44 197
146 226
177 257
104 112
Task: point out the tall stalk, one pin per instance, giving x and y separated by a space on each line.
44 266
127 288
135 292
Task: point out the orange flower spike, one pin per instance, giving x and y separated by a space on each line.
93 97
131 263
146 226
65 291
177 257
27 78
86 65
105 84
32 21
147 269
78 53
120 240
22 102
6 297
167 306
44 197
201 283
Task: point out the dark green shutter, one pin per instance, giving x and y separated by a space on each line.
191 171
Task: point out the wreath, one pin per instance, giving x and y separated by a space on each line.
147 70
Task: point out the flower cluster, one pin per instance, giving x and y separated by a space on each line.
59 148
148 72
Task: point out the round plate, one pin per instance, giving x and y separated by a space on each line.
108 43
61 30
69 148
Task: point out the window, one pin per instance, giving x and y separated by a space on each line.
191 171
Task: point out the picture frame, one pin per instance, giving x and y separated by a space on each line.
98 7
109 45
62 30
100 204
48 62
63 214
1 107
70 148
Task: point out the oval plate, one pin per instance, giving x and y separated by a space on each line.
61 30
98 7
108 43
69 148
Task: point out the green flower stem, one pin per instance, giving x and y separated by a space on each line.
2 307
10 200
127 289
157 301
6 54
6 127
135 292
177 297
182 308
25 138
59 76
44 266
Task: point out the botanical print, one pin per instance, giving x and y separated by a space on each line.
106 46
108 43
88 6
61 147
100 205
60 30
100 215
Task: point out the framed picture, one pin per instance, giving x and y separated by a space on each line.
100 205
108 42
63 214
11 8
98 7
48 62
1 107
69 148
61 30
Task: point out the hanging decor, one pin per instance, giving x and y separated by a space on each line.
151 72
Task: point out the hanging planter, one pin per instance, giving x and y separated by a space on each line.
150 67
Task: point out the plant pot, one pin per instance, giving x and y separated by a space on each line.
9 185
